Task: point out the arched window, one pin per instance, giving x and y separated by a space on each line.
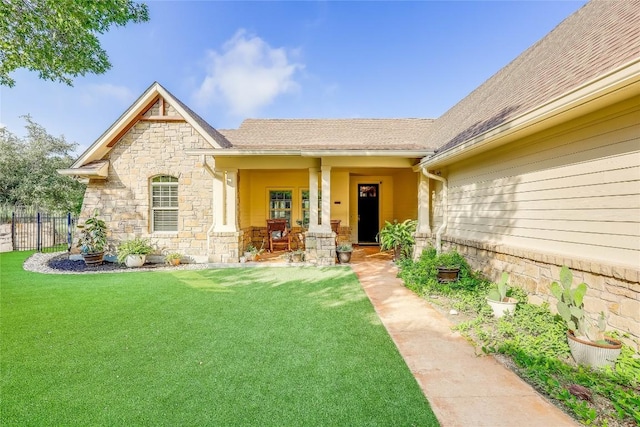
164 203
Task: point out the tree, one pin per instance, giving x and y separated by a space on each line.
58 38
28 170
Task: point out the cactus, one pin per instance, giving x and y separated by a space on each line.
571 305
499 293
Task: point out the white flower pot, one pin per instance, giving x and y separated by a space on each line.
501 307
135 260
594 354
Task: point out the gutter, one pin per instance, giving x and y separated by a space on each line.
445 206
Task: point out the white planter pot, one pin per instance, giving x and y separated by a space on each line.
135 260
501 307
594 354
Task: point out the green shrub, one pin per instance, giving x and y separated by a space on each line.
421 276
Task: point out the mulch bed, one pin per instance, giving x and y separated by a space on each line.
63 263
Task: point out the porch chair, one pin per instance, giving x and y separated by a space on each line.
278 234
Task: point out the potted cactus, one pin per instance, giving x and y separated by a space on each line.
588 343
498 300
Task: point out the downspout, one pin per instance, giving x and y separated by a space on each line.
212 172
445 206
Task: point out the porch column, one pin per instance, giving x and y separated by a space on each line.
231 205
225 200
326 199
313 199
424 223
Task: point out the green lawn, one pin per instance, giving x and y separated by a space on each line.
232 347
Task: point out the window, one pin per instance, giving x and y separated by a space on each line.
164 203
306 213
280 205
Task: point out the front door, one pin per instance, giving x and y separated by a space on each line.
368 213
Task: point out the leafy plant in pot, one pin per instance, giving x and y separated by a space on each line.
399 237
133 252
587 341
448 269
344 251
92 240
498 300
173 258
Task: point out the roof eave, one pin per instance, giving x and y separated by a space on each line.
308 153
614 86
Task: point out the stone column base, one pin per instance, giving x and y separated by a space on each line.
225 246
423 241
320 248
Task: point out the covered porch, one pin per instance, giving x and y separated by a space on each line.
360 191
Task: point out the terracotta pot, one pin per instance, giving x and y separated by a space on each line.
593 354
175 261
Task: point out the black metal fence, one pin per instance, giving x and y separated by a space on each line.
43 231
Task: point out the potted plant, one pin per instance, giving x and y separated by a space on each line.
498 300
252 252
297 255
92 240
173 258
448 268
398 236
587 341
344 251
133 252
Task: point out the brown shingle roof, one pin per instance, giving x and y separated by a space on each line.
326 134
599 37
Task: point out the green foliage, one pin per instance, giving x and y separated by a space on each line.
172 256
93 235
499 292
398 236
28 170
422 276
571 306
58 39
135 246
344 247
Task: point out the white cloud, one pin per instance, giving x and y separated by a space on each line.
94 93
247 75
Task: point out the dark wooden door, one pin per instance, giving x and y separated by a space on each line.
368 212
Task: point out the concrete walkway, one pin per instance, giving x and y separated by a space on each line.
462 388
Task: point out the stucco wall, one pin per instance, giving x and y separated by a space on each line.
146 150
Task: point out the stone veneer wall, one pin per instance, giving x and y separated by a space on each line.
6 243
611 289
226 247
320 248
146 150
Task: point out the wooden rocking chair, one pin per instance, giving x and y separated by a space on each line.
278 234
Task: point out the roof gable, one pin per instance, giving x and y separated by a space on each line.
156 103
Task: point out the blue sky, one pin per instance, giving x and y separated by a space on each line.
233 60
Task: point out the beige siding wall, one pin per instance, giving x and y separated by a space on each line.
572 191
146 150
568 196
